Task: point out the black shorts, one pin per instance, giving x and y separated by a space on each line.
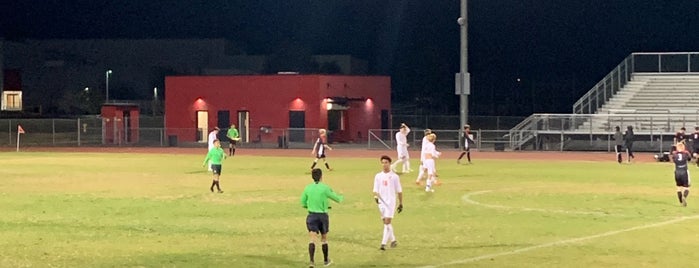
216 168
318 222
232 142
320 155
618 148
682 178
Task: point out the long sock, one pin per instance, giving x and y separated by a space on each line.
314 164
391 236
311 250
233 153
395 164
385 234
421 173
325 251
618 157
686 193
406 166
230 151
212 185
679 196
468 155
429 183
461 156
327 166
218 186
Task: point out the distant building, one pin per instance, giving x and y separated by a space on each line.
263 105
49 71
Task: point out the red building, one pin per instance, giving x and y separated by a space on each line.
262 105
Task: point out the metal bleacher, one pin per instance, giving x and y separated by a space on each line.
656 93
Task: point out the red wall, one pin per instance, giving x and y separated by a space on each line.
269 98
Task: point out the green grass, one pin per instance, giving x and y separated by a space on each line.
146 210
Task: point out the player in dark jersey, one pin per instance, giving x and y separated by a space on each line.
680 136
681 157
466 150
695 144
319 148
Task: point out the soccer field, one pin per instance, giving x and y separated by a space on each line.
155 210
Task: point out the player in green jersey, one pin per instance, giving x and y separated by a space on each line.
215 157
315 199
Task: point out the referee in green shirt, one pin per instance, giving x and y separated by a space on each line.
233 138
315 199
215 155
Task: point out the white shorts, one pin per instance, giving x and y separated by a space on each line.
387 211
402 152
429 165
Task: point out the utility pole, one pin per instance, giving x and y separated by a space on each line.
463 78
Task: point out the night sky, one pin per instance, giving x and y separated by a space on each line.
558 49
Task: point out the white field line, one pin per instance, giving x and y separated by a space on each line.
467 198
566 241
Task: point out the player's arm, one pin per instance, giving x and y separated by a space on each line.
400 202
315 145
206 159
304 199
334 196
376 190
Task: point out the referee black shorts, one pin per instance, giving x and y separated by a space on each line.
318 222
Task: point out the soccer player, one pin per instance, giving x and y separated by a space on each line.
233 138
315 199
430 154
628 143
618 143
682 180
467 149
319 148
679 137
402 149
422 172
386 189
213 158
213 136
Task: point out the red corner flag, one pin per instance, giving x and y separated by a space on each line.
20 130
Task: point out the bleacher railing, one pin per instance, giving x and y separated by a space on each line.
644 62
580 132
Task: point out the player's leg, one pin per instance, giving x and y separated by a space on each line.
233 145
398 162
217 176
315 161
458 160
468 154
387 212
406 164
422 173
312 224
325 161
325 220
617 150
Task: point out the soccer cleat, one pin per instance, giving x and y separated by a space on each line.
212 189
684 201
328 263
311 265
394 244
383 247
220 192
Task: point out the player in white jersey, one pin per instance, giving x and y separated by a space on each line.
430 154
422 172
387 189
402 149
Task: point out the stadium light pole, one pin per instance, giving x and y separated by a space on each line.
106 81
463 78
